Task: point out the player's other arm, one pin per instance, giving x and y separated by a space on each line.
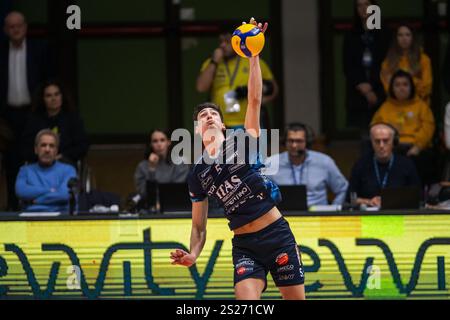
198 236
255 85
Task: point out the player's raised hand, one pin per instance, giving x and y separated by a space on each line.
262 27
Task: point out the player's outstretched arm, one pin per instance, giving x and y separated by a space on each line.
198 236
252 125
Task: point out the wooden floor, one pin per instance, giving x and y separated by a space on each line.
112 166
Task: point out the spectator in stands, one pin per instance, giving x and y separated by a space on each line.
301 166
445 177
414 121
158 166
24 63
42 186
225 77
381 169
53 109
406 54
364 51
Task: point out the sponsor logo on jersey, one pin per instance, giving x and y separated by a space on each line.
242 270
289 267
284 277
235 167
282 259
228 187
240 196
202 175
207 182
246 262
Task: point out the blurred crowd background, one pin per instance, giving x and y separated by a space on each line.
134 67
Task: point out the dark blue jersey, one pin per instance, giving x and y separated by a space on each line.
236 181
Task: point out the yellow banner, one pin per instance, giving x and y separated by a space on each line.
402 256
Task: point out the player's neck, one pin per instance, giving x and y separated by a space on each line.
212 145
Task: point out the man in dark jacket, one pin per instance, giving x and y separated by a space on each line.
23 65
381 169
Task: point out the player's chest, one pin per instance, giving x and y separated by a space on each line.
221 177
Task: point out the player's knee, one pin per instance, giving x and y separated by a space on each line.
249 289
293 293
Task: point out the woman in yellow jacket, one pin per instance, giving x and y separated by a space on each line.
414 121
406 54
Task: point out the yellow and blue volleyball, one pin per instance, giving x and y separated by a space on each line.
248 40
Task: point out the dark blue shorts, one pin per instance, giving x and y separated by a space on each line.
271 249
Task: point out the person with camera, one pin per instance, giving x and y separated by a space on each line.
225 75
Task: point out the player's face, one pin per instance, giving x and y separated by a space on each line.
382 142
46 150
209 119
15 27
402 88
160 143
361 7
296 143
52 99
225 45
404 38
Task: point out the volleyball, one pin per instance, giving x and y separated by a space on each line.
248 40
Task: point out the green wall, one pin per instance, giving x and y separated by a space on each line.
102 11
122 85
124 81
34 10
389 8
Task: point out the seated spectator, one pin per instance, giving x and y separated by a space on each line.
42 186
158 166
381 169
414 122
301 166
407 55
53 109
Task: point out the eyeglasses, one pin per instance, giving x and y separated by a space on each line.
297 141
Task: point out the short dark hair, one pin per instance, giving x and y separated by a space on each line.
298 126
402 74
206 105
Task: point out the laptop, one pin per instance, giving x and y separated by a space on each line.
400 198
174 197
293 198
